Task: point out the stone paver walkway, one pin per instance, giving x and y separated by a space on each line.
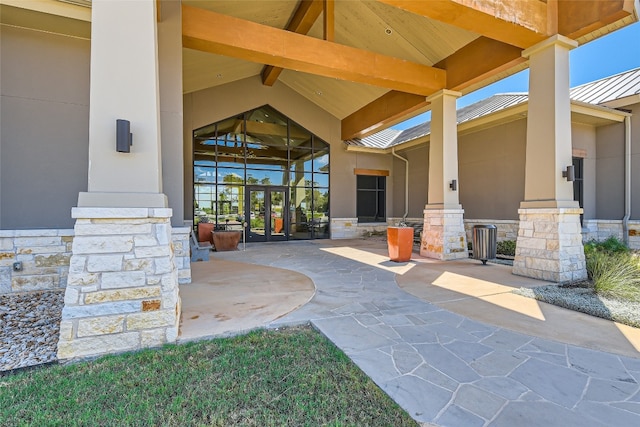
443 368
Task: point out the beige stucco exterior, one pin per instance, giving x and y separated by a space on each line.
635 159
418 157
58 97
45 100
492 171
44 127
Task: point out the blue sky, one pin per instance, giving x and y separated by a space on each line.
608 55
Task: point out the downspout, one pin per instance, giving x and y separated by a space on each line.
627 180
406 183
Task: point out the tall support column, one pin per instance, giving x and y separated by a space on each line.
443 235
124 85
122 288
549 244
171 109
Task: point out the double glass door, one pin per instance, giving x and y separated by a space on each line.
266 211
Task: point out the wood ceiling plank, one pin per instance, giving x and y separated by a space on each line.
225 35
301 22
519 23
337 97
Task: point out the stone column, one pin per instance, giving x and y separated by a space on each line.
549 244
443 235
122 288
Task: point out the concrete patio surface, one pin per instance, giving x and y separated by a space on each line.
229 297
449 343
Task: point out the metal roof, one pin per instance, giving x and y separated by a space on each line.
608 89
600 91
380 139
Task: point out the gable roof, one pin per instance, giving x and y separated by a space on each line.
598 92
608 89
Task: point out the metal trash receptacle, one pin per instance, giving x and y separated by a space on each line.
484 242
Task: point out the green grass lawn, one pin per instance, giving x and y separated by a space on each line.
287 377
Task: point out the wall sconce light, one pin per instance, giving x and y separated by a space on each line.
453 185
124 137
570 173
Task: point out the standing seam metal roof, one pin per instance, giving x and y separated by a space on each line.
610 88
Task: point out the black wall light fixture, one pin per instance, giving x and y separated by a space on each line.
453 185
124 137
569 173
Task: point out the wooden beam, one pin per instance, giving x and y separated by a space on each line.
519 23
577 18
385 111
225 35
371 172
301 22
473 63
479 60
329 20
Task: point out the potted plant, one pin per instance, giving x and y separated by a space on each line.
205 229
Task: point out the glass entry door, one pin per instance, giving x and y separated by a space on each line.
266 213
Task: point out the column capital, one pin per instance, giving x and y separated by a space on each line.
442 92
556 40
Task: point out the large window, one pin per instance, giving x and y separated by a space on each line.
371 198
261 148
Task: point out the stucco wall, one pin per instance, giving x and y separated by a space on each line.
635 161
213 104
44 140
610 171
45 127
584 137
491 171
418 158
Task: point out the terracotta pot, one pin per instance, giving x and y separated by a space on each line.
226 240
400 243
204 232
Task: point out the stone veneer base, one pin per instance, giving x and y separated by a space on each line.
549 245
443 235
122 288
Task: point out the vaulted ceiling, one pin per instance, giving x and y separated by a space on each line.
371 63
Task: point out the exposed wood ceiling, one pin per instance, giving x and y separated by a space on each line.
375 62
357 78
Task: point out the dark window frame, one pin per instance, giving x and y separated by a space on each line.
371 198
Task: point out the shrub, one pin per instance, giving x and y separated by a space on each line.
612 245
506 247
614 274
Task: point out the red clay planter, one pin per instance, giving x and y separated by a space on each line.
226 240
400 242
204 232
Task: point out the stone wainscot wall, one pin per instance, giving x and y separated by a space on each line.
44 253
44 256
592 229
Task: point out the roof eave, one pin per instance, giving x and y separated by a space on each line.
623 102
